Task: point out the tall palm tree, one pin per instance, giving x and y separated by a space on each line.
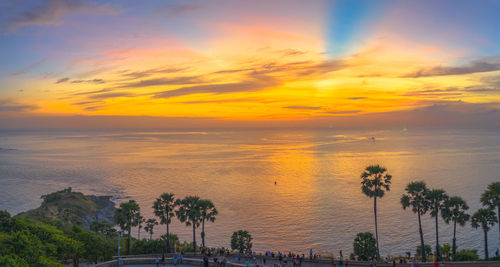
437 199
189 212
140 221
375 182
127 216
415 198
484 218
455 211
491 199
150 225
164 207
208 213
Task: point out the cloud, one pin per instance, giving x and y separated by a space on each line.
149 72
62 80
49 12
219 101
493 81
7 105
98 81
435 92
357 98
162 81
93 108
292 52
302 68
245 86
93 92
452 91
87 102
303 107
29 67
485 64
343 112
111 95
173 11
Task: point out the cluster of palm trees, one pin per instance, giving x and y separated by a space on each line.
191 210
420 199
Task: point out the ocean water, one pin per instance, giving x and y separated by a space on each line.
316 203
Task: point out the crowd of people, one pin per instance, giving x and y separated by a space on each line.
221 256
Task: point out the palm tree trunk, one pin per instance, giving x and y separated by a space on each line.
454 248
486 244
203 233
139 233
168 235
150 235
498 214
422 250
128 240
438 255
376 226
194 237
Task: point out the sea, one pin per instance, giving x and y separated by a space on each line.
291 189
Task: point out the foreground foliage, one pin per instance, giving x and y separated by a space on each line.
241 241
364 246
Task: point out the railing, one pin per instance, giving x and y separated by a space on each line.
197 261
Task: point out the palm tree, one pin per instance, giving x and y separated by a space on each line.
150 224
189 212
491 199
140 221
208 213
126 216
437 199
484 218
415 198
455 211
164 209
375 182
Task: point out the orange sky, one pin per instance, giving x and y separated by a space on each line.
264 62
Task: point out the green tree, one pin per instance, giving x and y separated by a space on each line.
104 228
427 251
164 207
93 244
491 199
415 198
454 211
127 216
140 221
189 212
484 218
5 221
445 251
364 246
208 213
12 261
241 241
467 255
437 202
375 181
150 225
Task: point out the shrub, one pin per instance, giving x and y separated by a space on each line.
364 246
467 255
241 241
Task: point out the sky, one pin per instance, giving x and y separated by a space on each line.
188 63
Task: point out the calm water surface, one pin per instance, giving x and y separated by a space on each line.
317 202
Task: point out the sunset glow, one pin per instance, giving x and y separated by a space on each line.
248 60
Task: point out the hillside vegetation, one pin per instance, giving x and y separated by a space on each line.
72 208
